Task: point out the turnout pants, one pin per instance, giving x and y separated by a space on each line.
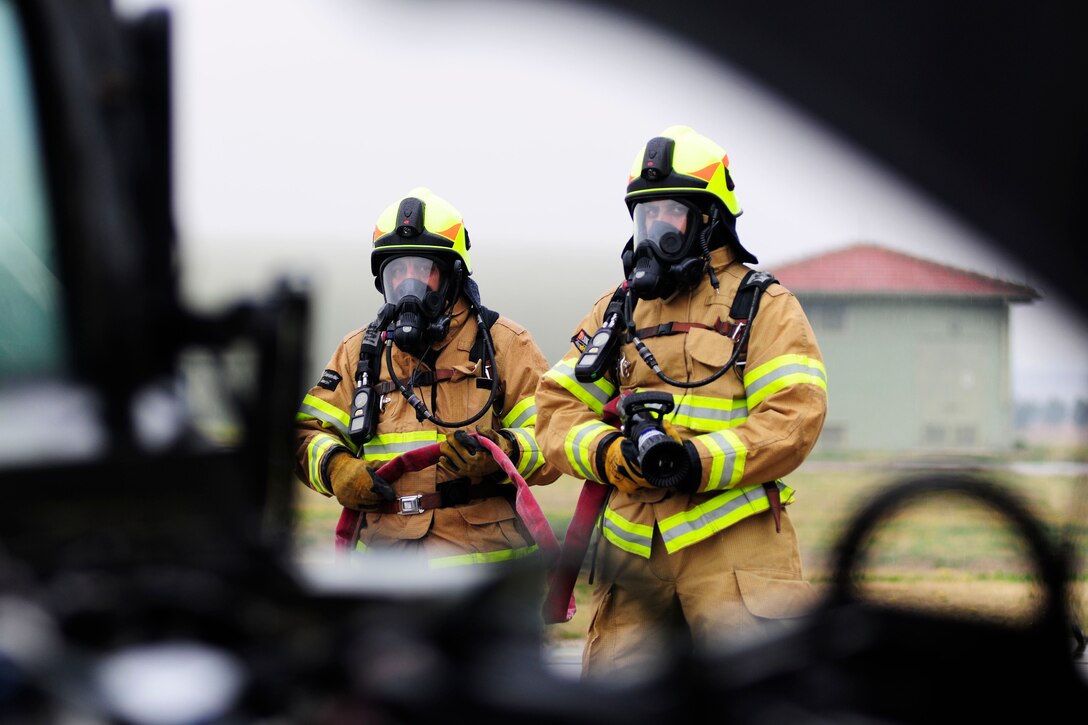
718 591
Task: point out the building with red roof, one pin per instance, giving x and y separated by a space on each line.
917 352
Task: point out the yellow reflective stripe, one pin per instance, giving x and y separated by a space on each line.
314 407
629 536
782 372
318 448
387 446
529 458
728 455
579 445
706 414
522 415
481 557
722 511
595 395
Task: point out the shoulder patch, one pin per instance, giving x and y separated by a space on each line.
329 380
581 340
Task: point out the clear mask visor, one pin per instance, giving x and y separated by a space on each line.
412 276
667 226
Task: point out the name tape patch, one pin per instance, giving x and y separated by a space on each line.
329 380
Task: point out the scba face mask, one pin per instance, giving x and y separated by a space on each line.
663 258
418 289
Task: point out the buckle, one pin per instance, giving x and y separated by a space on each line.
407 505
738 330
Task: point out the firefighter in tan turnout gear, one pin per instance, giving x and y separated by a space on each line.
434 366
694 412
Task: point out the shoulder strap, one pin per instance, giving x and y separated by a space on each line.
477 353
753 282
745 305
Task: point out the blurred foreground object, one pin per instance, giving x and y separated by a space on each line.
145 490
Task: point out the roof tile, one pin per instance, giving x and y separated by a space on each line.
872 269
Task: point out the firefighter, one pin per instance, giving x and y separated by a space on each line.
702 544
434 367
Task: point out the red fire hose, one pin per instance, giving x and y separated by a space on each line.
528 510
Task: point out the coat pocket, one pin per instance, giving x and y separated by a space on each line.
769 597
493 524
709 349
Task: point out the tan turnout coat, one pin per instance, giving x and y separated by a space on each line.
479 531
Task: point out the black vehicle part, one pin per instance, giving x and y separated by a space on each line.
852 659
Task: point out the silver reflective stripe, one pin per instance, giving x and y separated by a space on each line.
520 417
378 448
714 515
529 454
627 540
325 417
728 457
482 557
600 391
703 418
319 447
578 451
805 369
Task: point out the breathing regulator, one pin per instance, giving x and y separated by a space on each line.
421 266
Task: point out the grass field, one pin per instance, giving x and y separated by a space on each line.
943 552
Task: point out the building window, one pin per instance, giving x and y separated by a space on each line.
933 435
966 435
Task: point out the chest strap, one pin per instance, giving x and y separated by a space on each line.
420 378
722 327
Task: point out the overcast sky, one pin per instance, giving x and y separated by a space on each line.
298 121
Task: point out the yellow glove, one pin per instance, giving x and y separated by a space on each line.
619 471
355 484
461 454
508 445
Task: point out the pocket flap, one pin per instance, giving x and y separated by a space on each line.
709 348
487 511
771 598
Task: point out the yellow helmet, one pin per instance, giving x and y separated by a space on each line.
422 223
682 163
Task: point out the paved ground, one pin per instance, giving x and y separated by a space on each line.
565 659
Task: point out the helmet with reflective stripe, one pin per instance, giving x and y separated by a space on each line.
420 223
682 163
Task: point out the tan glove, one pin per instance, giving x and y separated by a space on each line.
670 430
354 482
508 445
463 455
620 472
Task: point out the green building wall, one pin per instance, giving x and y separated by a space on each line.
914 374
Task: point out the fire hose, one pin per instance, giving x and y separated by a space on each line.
525 504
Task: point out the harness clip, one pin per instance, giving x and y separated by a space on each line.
407 505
